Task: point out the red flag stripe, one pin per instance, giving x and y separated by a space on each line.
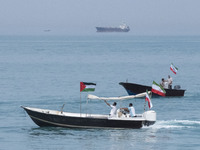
172 70
158 92
82 86
148 100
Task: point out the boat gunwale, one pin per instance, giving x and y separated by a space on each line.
139 117
122 83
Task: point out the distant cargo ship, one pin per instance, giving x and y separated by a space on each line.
121 28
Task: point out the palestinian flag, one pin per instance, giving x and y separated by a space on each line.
173 69
148 100
158 89
87 86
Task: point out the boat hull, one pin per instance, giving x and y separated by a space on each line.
44 119
133 89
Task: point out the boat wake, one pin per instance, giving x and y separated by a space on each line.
167 124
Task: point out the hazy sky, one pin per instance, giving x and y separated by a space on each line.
145 17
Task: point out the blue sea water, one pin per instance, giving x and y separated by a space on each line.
45 72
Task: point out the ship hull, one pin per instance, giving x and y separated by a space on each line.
105 29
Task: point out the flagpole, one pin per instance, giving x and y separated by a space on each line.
87 107
80 104
145 101
85 87
144 104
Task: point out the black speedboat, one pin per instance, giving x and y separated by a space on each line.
53 118
133 89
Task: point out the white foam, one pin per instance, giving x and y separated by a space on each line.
167 124
189 122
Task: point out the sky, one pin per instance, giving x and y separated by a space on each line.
73 17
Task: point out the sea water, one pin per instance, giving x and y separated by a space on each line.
45 72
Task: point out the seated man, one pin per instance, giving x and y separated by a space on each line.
131 110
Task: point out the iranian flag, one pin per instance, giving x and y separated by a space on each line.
173 69
87 86
158 89
148 100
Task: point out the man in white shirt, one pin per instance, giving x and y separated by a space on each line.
113 111
169 80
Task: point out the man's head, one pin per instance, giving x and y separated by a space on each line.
114 104
130 105
168 76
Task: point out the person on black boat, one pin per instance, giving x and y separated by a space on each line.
169 80
130 109
162 82
113 111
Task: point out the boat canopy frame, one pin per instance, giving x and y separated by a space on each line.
94 97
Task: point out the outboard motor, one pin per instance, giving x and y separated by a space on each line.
150 117
177 87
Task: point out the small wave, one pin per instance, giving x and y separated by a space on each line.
187 122
175 124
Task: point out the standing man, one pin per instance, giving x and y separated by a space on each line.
113 110
169 80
